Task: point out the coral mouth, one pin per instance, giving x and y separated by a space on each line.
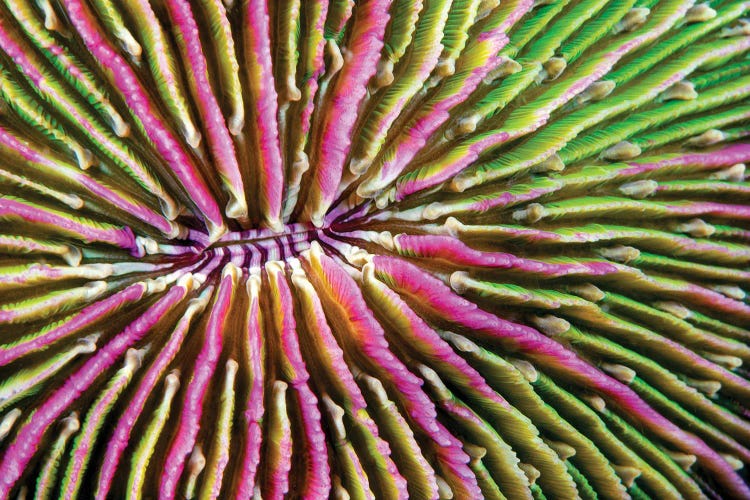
261 245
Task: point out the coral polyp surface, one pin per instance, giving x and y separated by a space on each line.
374 249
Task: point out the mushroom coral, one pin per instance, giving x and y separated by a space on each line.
374 249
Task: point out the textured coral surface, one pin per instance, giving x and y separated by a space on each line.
374 249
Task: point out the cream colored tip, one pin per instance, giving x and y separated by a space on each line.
621 151
534 212
674 308
460 282
527 369
627 473
707 138
735 173
6 424
587 291
681 91
639 189
187 281
532 473
696 228
551 325
700 13
620 372
554 67
620 253
446 67
236 207
337 60
632 20
552 164
684 460
444 489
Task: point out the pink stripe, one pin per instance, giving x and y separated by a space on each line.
255 409
12 142
435 295
35 272
318 482
28 442
736 153
371 339
335 358
424 179
265 103
95 187
83 319
20 244
136 97
432 346
139 211
220 142
362 478
20 56
506 198
192 410
456 252
416 81
350 88
421 130
593 234
713 300
85 441
355 402
121 435
710 208
316 70
352 395
121 237
488 172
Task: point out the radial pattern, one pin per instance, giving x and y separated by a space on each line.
374 249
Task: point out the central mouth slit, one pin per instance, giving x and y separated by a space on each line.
291 232
256 246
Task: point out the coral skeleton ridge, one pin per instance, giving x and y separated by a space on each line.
374 249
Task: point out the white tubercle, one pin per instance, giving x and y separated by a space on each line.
696 228
639 189
681 91
87 344
231 270
527 369
621 151
6 424
94 289
534 212
735 173
72 256
198 304
674 308
620 253
551 325
460 282
707 138
275 267
186 281
699 13
632 20
146 245
357 256
731 291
